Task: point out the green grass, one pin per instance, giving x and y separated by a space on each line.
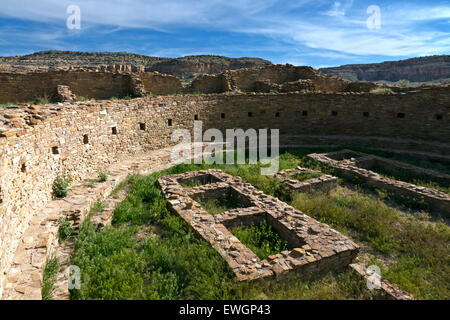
220 205
149 252
261 238
414 246
51 269
170 262
192 184
5 105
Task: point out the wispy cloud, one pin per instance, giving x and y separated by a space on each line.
333 29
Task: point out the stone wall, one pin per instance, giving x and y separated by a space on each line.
38 142
160 84
21 87
211 84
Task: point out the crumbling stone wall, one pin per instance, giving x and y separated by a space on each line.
211 83
102 84
160 84
250 79
21 87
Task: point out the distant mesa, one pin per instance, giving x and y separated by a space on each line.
184 68
423 69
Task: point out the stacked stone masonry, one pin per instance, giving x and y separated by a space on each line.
352 164
324 182
22 87
317 247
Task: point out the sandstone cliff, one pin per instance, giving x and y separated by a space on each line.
423 69
185 67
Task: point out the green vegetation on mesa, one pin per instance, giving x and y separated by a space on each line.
149 252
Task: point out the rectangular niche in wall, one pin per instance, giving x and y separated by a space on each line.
169 122
196 117
85 139
55 150
114 130
142 126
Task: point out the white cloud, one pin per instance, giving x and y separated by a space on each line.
324 25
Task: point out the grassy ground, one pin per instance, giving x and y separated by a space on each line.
261 238
219 205
150 253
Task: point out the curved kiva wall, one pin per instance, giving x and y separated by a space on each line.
38 142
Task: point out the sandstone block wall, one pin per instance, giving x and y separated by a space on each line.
159 84
21 87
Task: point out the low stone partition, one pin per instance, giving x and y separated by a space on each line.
386 289
323 182
351 164
316 246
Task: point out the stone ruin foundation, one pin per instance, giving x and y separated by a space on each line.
324 182
316 246
352 164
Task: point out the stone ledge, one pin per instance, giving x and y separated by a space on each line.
324 182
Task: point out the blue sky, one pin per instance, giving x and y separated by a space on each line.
303 32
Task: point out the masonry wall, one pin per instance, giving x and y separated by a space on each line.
21 87
158 84
36 143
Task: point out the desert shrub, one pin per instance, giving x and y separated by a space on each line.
103 174
61 185
65 229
